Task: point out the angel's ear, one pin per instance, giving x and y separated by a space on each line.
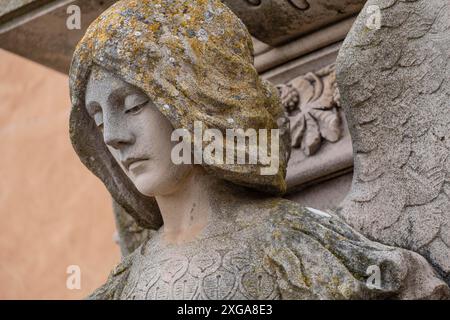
395 88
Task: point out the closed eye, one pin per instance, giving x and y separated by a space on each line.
136 109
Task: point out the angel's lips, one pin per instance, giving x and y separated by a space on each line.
132 163
136 164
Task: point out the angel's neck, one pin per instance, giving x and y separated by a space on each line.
187 211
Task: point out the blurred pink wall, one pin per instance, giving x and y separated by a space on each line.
53 211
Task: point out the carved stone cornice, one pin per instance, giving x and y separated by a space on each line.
36 29
267 57
11 9
278 21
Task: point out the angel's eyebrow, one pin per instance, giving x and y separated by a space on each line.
118 96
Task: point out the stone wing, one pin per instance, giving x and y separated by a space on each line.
393 73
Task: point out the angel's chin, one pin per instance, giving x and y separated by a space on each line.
160 182
152 185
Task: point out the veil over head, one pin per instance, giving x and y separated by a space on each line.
194 60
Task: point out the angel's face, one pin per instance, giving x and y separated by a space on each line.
137 134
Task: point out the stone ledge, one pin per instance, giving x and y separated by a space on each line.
12 9
41 35
36 30
279 21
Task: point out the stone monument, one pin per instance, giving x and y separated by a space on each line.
217 230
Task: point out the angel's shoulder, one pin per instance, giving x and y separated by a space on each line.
288 217
316 255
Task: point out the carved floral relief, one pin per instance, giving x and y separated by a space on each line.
312 103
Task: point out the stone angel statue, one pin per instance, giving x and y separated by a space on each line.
220 229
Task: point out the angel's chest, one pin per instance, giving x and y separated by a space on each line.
222 274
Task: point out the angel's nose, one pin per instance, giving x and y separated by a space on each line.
117 137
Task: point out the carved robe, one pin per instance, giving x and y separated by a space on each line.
273 249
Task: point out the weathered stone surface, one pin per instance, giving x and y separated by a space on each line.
395 90
324 194
277 21
9 9
272 57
